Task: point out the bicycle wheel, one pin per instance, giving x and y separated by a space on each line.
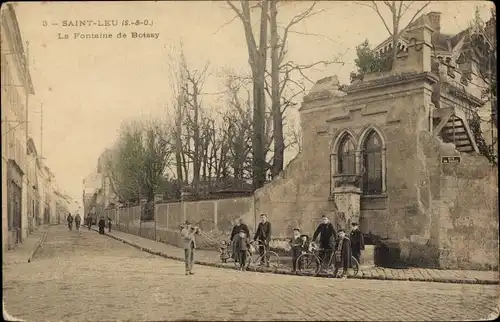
354 266
308 264
273 260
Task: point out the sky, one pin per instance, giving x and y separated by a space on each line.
88 87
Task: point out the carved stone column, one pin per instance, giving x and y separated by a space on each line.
347 198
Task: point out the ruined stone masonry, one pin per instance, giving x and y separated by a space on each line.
372 153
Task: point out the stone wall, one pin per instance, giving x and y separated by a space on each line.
214 217
465 205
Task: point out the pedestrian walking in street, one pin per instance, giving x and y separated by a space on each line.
188 233
243 245
342 255
263 234
102 224
357 241
224 251
109 225
78 220
296 248
327 236
70 221
88 221
239 225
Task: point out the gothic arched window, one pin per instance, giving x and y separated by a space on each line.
346 156
372 164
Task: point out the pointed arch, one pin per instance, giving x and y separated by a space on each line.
343 155
338 138
372 145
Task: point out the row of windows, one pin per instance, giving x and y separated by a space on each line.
10 93
371 160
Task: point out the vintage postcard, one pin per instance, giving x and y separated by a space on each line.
249 161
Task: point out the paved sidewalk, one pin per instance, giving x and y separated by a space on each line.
211 258
24 252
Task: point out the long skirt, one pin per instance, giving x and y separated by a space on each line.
235 252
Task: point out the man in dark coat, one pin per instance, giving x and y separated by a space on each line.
88 221
357 241
327 234
70 221
102 224
342 255
263 234
239 226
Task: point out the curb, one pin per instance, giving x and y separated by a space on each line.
39 244
288 272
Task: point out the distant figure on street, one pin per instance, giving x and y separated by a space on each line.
109 224
89 221
242 245
263 234
70 221
239 225
102 224
188 233
78 220
342 254
327 234
357 241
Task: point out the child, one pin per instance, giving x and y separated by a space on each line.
296 244
305 243
242 245
109 224
224 254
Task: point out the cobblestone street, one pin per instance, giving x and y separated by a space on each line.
86 276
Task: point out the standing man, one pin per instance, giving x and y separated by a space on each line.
188 233
263 234
89 221
78 220
102 224
357 241
326 240
70 221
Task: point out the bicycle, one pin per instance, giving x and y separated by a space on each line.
268 257
310 263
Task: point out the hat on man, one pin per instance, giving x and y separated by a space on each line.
354 224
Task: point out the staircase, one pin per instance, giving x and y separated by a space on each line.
453 129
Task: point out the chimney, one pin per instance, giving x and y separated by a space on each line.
435 20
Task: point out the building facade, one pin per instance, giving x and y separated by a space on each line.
16 88
34 198
395 152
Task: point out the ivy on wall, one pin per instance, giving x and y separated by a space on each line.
484 149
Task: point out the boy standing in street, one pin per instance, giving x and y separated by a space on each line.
357 241
296 244
242 245
342 254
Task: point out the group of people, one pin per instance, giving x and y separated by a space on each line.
77 220
241 243
337 244
332 244
88 222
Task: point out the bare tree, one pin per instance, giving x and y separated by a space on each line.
257 59
397 9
